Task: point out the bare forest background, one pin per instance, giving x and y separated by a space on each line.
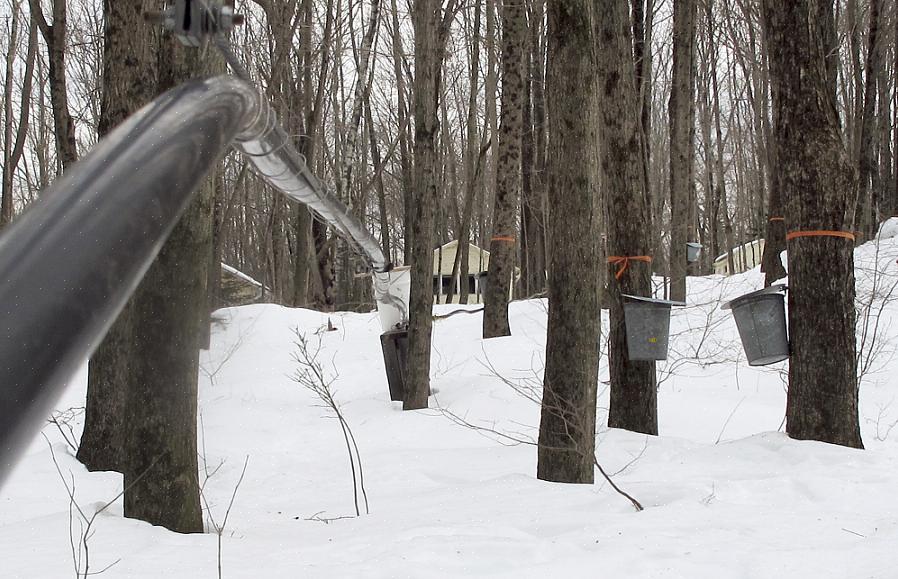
363 144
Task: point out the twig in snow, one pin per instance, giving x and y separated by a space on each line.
81 548
727 421
311 376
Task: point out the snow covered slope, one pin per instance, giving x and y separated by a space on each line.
727 494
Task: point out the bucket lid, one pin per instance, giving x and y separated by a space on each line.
694 244
774 289
652 300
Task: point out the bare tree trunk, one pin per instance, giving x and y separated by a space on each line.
55 37
866 216
643 27
128 84
816 172
508 173
712 199
431 31
169 311
885 177
6 199
305 264
361 91
378 162
491 88
13 149
460 268
775 237
568 415
402 112
718 164
634 403
533 193
682 122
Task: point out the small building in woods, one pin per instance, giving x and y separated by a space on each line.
476 276
237 288
745 257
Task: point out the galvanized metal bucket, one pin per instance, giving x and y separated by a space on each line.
648 326
761 320
692 251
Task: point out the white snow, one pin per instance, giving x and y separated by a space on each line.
727 494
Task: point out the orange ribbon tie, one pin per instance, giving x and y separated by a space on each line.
624 262
820 233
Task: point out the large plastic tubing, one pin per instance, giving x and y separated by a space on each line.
69 264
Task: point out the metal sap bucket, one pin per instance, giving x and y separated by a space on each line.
761 320
395 347
648 326
692 251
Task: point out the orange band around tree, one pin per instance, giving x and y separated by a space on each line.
820 233
624 262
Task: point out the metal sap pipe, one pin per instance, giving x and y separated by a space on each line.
267 146
70 262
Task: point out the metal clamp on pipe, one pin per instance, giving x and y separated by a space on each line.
192 21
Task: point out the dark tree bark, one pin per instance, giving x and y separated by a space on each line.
402 113
817 181
305 262
533 194
643 26
128 84
568 417
13 148
633 394
867 214
431 29
169 309
775 237
508 173
55 37
472 167
894 184
681 109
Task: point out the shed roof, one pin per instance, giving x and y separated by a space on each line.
444 258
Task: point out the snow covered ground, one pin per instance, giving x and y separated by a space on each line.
727 494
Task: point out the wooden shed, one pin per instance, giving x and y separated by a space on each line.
475 277
745 257
237 288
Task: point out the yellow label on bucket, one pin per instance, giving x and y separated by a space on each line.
653 340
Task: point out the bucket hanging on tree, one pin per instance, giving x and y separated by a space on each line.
648 326
761 320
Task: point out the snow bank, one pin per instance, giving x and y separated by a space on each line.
726 493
